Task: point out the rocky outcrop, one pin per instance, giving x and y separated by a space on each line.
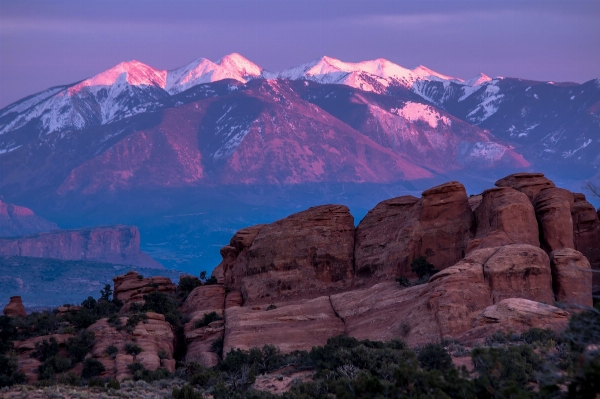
15 307
504 217
25 350
132 287
294 326
113 244
571 277
396 231
586 235
304 254
449 304
154 336
235 255
18 221
528 183
553 207
203 300
515 315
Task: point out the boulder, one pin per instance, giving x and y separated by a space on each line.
553 207
202 300
132 287
528 183
586 235
515 315
303 255
154 336
15 307
291 326
437 226
475 201
519 271
504 217
571 277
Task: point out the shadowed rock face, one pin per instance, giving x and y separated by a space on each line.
113 244
586 235
571 277
504 217
553 207
303 254
398 230
132 287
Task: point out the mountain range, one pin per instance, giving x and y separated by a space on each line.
134 141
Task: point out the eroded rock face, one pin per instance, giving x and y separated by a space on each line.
398 230
235 255
571 277
528 183
294 326
154 337
15 307
553 207
519 271
112 244
586 234
304 254
203 300
504 217
132 287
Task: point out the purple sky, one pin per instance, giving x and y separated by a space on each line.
48 43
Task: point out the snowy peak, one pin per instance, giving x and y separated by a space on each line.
202 70
423 72
133 73
478 80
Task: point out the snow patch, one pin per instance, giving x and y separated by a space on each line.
421 112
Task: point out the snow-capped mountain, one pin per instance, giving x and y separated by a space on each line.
418 118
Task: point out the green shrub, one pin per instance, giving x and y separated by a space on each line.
80 345
271 307
403 281
133 320
207 319
55 364
217 346
435 357
69 378
9 374
132 349
113 384
139 372
421 267
96 382
112 351
538 336
211 281
92 368
187 285
45 349
186 392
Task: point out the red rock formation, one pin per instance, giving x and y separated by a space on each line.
15 307
571 277
295 326
115 244
203 300
553 207
154 336
505 216
17 221
235 255
396 231
586 232
528 183
132 287
515 315
519 271
304 254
